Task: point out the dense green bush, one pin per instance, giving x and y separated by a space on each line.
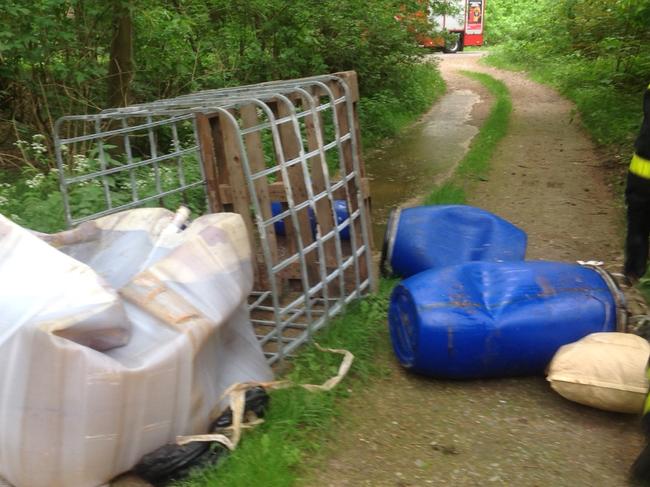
597 52
386 111
54 53
55 56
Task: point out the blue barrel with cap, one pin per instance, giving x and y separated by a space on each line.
342 214
340 207
485 319
428 237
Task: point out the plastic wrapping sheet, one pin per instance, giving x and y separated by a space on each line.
65 297
119 341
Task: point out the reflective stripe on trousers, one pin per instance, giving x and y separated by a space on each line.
640 166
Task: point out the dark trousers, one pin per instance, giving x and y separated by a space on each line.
637 198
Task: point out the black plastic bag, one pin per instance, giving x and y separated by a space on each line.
173 462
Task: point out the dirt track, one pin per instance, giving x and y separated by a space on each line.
406 430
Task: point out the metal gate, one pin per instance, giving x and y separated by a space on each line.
285 155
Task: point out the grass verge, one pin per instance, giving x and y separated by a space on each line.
297 422
475 164
611 115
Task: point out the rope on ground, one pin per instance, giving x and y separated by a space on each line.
237 399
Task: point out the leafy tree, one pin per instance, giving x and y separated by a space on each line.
61 57
612 32
597 52
75 56
120 63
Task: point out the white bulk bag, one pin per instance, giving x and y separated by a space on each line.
114 349
603 370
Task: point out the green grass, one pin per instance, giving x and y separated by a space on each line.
475 164
298 422
448 193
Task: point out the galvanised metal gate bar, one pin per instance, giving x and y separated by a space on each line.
285 155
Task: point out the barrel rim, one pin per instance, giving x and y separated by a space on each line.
617 294
405 349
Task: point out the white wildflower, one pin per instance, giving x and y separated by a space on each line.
80 162
38 148
94 183
38 137
3 200
36 181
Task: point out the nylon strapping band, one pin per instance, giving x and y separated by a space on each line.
237 397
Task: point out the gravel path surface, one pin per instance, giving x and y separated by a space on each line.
405 430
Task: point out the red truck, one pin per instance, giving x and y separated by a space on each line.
464 28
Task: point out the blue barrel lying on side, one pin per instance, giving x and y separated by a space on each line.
428 237
485 319
340 207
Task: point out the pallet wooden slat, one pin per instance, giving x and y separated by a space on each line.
291 150
209 162
255 152
239 187
351 79
318 166
348 164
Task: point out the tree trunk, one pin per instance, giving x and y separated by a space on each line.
121 65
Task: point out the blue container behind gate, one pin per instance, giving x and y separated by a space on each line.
340 208
428 237
484 319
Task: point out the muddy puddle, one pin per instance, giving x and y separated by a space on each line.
409 165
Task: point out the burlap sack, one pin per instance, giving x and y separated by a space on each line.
603 370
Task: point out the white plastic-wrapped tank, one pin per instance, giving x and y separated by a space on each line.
116 337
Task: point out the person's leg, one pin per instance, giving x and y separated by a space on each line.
637 197
636 243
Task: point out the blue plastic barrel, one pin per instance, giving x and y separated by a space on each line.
428 237
280 229
342 214
340 207
484 319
